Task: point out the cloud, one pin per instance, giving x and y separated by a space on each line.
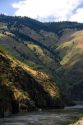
46 10
77 16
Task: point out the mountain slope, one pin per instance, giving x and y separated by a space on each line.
25 89
71 59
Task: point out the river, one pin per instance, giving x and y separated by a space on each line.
50 117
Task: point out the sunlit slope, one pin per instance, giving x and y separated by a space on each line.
71 59
28 52
25 89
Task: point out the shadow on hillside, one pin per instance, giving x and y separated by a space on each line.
16 76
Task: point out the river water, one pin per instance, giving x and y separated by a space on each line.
50 117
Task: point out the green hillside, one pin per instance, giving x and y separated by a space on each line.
70 49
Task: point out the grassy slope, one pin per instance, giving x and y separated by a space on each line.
24 88
71 59
28 52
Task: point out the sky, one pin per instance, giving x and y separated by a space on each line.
44 10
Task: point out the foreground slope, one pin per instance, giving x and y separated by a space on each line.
25 89
79 122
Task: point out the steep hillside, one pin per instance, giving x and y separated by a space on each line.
25 89
70 49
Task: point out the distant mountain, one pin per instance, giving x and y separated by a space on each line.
53 48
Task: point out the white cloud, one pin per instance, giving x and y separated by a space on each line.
44 9
78 16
